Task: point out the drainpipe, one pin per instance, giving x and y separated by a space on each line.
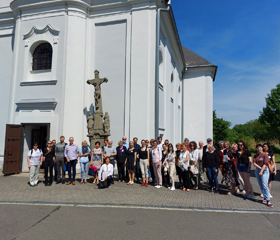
159 10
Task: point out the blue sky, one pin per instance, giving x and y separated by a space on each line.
243 39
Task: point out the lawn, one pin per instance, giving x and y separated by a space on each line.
277 158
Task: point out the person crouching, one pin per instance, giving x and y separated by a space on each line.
106 174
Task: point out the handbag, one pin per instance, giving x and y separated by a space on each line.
270 168
103 184
194 169
92 170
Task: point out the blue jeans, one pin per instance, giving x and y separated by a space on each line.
213 177
84 170
72 164
263 182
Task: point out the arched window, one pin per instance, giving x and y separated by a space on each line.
42 57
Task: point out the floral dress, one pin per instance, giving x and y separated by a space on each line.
97 158
229 176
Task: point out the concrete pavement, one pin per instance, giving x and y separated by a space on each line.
15 189
55 222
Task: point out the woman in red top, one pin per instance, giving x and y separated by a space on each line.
261 161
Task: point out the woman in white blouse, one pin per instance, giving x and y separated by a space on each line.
106 173
193 163
170 164
184 165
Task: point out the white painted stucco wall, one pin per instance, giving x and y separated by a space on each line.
198 104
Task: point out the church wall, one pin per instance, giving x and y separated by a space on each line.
198 105
6 63
74 118
38 86
170 97
109 41
142 74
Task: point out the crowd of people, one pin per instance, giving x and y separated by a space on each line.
157 163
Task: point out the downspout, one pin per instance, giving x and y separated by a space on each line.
159 10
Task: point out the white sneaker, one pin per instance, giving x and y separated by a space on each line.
238 191
157 186
270 196
261 196
169 188
172 188
243 192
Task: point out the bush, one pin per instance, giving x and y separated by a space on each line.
275 149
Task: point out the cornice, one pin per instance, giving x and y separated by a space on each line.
46 29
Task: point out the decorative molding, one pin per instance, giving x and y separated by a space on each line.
161 129
160 86
36 83
37 104
37 31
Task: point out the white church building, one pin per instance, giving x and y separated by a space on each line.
50 48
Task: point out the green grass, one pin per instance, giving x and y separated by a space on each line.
277 157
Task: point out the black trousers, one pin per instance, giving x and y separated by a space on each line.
48 166
186 179
121 171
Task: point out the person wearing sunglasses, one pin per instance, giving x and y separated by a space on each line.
49 160
261 162
244 161
34 160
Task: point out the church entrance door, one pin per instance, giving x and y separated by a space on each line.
13 149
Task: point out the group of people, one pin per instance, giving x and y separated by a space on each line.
157 162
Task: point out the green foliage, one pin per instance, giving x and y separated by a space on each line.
270 116
253 129
220 128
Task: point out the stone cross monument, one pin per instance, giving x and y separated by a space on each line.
97 129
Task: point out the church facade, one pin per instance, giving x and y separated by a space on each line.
50 48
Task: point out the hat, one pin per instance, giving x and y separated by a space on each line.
209 139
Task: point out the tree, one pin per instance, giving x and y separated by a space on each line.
270 116
220 128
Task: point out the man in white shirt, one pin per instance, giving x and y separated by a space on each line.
106 173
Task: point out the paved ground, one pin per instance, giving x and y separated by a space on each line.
131 212
15 189
55 222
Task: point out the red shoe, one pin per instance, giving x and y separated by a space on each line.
146 185
143 184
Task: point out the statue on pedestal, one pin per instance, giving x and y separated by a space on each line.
107 123
90 122
100 130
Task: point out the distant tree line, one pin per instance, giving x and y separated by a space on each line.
264 129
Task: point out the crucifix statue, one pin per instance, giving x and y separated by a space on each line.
101 130
96 82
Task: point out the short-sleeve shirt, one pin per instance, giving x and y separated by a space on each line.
270 156
261 159
109 151
35 157
183 156
244 157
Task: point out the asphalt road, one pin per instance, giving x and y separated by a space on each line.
71 222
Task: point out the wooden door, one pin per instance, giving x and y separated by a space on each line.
13 145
